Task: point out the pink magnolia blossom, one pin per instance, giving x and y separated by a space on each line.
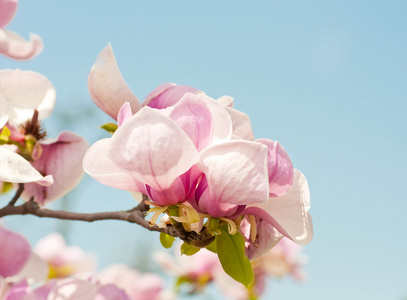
14 252
198 269
11 44
63 260
66 289
283 259
60 157
138 286
109 91
245 178
155 152
23 92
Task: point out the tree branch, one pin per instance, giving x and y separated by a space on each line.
17 195
134 215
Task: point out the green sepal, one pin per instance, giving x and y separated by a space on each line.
212 247
166 240
109 127
189 249
231 253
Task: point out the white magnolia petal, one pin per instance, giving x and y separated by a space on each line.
107 87
14 168
290 211
14 46
236 172
226 101
26 91
222 124
152 148
98 165
241 124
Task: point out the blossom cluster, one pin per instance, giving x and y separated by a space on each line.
54 270
198 162
194 159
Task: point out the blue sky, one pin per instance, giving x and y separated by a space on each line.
325 78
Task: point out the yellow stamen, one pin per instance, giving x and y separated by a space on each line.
231 225
253 228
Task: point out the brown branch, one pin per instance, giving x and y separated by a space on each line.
134 215
17 195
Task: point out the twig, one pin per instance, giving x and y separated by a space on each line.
134 215
17 195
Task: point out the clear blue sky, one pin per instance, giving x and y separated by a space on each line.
328 79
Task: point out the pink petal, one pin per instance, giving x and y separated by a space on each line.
222 124
152 148
236 172
8 9
62 159
280 168
194 117
241 124
107 87
225 101
267 237
98 165
14 252
73 288
14 46
124 113
289 213
111 292
26 91
34 271
14 168
167 94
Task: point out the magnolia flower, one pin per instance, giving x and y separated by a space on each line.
198 269
23 92
283 259
63 260
14 252
11 44
253 179
138 286
66 289
155 152
109 91
60 157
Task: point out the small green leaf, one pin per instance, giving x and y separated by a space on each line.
166 240
212 247
188 249
109 127
4 135
231 253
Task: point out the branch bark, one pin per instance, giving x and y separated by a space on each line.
134 215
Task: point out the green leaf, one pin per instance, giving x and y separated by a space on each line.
212 247
189 249
231 253
166 240
109 127
4 135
